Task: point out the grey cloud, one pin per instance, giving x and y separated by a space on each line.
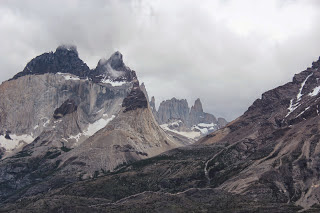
187 50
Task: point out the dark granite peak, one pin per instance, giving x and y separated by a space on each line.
65 60
67 49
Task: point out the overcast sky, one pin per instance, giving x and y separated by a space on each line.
226 52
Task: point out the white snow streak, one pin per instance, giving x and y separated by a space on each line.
303 111
294 106
302 85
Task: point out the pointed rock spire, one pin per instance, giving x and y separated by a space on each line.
197 107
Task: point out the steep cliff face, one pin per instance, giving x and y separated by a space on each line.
29 103
57 125
173 109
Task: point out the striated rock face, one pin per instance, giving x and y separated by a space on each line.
32 104
173 109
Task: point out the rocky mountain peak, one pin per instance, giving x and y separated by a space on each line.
197 106
112 69
64 60
65 50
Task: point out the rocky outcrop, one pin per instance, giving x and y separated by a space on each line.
135 100
68 107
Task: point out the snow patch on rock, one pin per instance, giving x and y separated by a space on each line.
315 91
94 127
16 142
113 83
191 135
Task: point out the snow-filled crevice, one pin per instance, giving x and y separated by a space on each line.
295 103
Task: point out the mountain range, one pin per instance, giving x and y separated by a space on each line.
79 140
